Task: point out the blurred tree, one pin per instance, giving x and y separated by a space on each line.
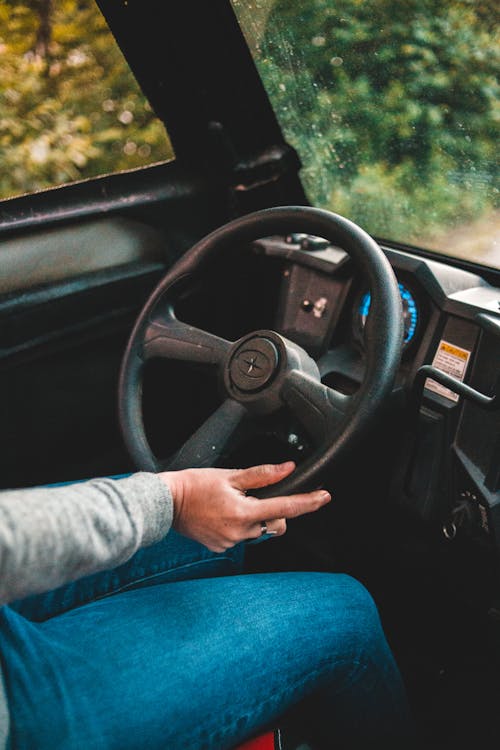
392 106
70 108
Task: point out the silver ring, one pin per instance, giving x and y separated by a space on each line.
264 531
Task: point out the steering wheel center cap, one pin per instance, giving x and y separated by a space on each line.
253 364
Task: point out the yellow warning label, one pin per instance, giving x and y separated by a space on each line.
456 351
452 360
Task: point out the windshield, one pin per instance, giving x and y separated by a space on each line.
393 109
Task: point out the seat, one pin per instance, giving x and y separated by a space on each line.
262 742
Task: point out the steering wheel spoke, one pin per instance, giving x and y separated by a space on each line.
169 338
210 441
319 409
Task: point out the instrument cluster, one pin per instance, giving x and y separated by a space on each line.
411 314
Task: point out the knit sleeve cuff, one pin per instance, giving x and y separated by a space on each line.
148 496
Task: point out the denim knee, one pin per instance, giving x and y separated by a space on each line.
355 619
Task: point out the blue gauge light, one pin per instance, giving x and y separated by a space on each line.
410 311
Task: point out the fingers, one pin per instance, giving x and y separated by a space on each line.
262 475
287 507
230 517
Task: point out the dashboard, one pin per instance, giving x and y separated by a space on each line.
448 473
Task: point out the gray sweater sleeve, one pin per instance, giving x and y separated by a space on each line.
53 535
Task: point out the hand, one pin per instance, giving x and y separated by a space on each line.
211 505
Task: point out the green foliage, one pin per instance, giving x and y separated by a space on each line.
70 108
393 107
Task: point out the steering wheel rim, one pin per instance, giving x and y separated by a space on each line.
157 332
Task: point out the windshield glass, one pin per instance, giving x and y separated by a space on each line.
393 109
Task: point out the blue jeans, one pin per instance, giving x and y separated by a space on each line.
177 650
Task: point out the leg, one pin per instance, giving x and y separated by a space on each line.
175 558
204 664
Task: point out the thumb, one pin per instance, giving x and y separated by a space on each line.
262 475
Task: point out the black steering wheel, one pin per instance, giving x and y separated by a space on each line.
263 371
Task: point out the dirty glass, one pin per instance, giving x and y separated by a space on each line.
393 107
70 108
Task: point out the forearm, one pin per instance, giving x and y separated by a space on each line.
53 535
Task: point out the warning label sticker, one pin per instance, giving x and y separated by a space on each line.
452 360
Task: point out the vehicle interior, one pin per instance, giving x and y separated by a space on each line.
133 300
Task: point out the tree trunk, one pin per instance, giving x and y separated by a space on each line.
45 28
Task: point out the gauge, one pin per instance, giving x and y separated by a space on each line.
410 312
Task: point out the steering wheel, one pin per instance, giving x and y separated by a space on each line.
263 371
